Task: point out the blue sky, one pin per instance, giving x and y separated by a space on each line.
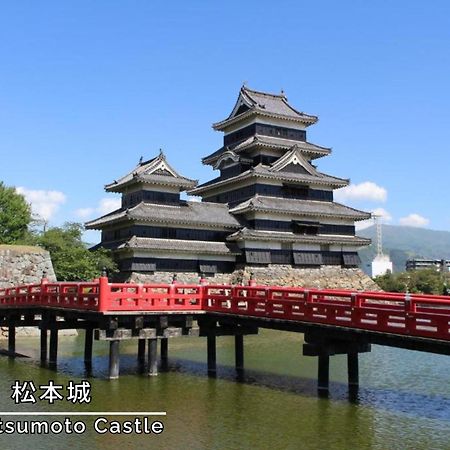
86 88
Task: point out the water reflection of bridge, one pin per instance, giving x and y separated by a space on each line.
333 321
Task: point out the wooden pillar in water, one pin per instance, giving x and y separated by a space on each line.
164 353
239 354
44 345
152 357
88 345
53 354
211 349
12 338
353 370
141 352
114 359
323 372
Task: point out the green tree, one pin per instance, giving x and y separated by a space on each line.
72 260
425 281
15 215
390 282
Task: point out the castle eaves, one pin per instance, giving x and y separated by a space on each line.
263 172
259 235
212 215
266 105
181 246
154 171
299 207
261 141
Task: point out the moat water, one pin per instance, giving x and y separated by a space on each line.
403 400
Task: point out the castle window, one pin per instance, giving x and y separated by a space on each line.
295 191
308 259
351 260
257 256
305 227
208 268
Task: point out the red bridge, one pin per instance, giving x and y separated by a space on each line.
333 321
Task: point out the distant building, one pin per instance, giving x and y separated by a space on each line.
269 205
381 265
438 264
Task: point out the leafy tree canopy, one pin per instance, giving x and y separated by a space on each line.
425 281
72 260
15 215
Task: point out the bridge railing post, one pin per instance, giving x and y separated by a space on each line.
203 282
410 309
172 290
356 303
309 303
43 289
104 292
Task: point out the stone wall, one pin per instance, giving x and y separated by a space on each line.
326 277
21 264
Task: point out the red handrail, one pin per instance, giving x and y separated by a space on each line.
407 314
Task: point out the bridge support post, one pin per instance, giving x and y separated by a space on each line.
141 354
53 354
353 370
164 353
44 345
114 359
211 350
239 354
88 345
316 345
152 357
323 373
12 338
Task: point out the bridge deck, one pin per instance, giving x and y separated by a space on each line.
333 321
425 316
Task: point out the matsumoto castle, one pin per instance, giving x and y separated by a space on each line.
269 205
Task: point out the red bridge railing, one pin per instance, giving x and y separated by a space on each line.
407 314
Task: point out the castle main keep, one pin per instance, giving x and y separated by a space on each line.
269 207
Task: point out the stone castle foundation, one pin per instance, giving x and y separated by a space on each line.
23 264
327 277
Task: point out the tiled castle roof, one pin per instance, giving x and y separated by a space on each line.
154 171
181 246
312 150
281 236
251 102
299 207
285 169
214 215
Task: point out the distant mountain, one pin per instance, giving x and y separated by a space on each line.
403 243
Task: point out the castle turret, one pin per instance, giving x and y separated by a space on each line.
155 230
268 180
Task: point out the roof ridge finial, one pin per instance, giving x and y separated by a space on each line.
161 153
141 159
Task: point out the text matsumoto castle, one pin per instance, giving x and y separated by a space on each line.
269 205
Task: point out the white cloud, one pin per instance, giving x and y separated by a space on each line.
368 190
381 212
105 206
43 203
414 220
84 213
108 204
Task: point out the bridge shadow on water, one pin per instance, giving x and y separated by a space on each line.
408 402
